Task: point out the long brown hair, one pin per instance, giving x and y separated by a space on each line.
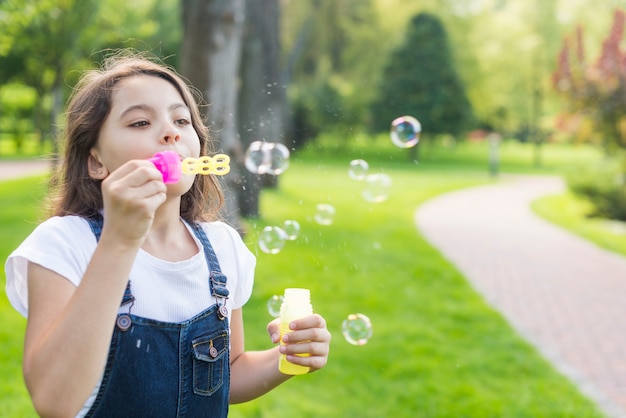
74 191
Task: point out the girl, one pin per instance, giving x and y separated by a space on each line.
133 289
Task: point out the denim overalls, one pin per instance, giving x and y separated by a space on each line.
163 369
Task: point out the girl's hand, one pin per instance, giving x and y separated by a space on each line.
131 195
308 335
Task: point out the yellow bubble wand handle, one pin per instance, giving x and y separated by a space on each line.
218 165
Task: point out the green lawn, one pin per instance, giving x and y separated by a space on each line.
572 213
438 349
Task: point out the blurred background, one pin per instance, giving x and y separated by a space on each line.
498 86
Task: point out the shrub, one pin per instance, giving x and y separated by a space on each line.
603 185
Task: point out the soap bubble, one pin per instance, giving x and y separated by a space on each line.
292 229
358 169
267 158
272 239
324 214
357 329
256 160
377 187
279 158
273 305
405 131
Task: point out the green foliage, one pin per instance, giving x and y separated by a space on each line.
16 104
47 43
315 107
603 186
420 80
330 57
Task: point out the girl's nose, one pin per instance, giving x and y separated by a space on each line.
171 134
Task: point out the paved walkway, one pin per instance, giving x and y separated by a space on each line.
16 169
562 293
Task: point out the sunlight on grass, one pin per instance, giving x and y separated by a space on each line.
437 349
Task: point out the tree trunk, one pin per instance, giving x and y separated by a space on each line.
262 94
210 58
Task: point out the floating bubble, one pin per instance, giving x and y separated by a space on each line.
267 158
273 305
324 214
377 188
357 329
405 131
292 229
256 160
272 239
358 169
279 158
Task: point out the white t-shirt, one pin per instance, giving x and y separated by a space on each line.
163 290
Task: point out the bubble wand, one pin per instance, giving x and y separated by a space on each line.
172 168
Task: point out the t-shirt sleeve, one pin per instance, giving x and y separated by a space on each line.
61 244
236 261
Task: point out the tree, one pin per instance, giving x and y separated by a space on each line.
333 51
261 104
45 44
210 58
597 90
420 80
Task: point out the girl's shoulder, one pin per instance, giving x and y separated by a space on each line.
227 241
220 229
63 228
61 244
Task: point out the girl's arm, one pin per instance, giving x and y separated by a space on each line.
69 328
254 373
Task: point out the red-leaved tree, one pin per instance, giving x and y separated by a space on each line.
596 90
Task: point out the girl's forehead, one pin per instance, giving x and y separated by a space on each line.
142 87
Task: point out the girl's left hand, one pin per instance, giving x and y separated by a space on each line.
308 335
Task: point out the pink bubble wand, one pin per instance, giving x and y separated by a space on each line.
172 168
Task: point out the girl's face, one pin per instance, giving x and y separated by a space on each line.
147 115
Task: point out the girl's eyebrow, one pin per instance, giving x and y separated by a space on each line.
146 107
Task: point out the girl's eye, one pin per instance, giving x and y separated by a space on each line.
139 123
183 121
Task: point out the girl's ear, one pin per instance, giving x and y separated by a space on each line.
96 169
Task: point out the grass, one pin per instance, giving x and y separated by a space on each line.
438 349
572 213
20 203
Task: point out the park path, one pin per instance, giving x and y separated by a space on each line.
13 169
563 294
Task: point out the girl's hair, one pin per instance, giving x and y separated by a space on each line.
76 193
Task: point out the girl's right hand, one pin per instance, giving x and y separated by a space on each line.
131 194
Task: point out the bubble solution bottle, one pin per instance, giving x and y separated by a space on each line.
296 305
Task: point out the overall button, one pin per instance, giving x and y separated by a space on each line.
124 322
213 352
222 312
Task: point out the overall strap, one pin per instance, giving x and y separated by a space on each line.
217 279
96 222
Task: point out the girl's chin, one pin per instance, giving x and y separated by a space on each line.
180 188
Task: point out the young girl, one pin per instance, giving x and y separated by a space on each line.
133 289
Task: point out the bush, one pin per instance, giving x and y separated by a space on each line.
603 185
17 104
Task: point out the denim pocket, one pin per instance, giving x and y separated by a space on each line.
210 362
